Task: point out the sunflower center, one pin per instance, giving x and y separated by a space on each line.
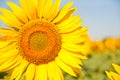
39 42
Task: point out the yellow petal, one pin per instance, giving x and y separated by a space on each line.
63 11
70 27
117 68
75 48
3 44
65 67
7 48
30 72
35 2
10 63
8 54
69 60
73 39
40 8
79 31
70 20
115 76
18 71
32 9
54 72
109 75
41 72
76 36
11 17
46 10
53 10
6 40
29 8
6 31
18 12
67 15
70 24
73 54
9 21
51 72
7 12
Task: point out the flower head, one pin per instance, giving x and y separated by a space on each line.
41 39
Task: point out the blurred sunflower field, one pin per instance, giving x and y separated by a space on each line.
73 51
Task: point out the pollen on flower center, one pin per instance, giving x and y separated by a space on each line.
39 42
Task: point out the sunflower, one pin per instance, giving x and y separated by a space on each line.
110 44
113 75
41 40
118 43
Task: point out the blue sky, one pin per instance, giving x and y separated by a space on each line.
101 16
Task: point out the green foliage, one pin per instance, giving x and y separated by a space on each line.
2 74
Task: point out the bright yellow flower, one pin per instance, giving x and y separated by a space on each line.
41 40
100 46
113 75
118 43
93 46
110 44
97 46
